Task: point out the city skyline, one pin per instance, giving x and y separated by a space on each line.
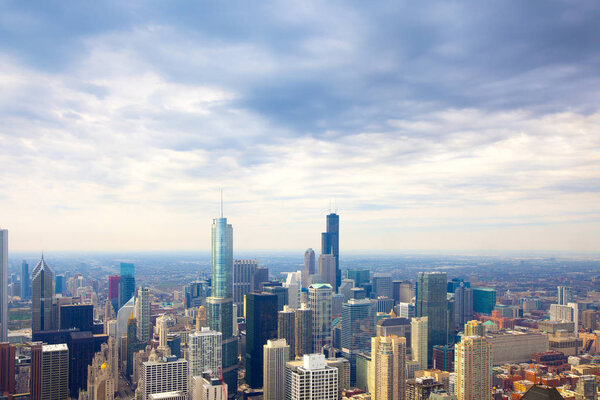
433 126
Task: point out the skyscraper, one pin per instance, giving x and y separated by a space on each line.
261 325
286 329
42 292
472 365
113 291
164 375
359 276
432 303
142 314
382 286
303 325
358 326
319 297
219 307
311 378
276 353
388 355
293 283
330 244
126 283
53 372
205 352
25 281
3 285
309 267
563 295
7 368
243 271
419 331
484 300
327 269
463 305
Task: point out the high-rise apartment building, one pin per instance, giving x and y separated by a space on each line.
220 305
358 327
472 366
563 296
566 313
443 358
327 269
303 326
113 291
286 329
309 267
168 374
463 305
293 283
3 285
42 293
276 353
243 271
261 325
388 363
474 328
25 281
50 372
419 331
205 352
432 303
311 378
142 314
319 298
126 283
330 244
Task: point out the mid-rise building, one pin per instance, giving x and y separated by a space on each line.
421 388
586 388
516 346
311 378
473 364
419 330
319 296
208 387
164 375
205 351
388 355
589 319
276 353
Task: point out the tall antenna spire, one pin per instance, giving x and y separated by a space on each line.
221 202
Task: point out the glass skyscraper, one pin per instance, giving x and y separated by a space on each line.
358 326
330 244
25 281
126 283
432 303
219 307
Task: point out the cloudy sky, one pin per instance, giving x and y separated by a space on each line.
434 125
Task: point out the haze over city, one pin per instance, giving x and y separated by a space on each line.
435 126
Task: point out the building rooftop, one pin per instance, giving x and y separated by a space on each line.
538 392
55 347
166 395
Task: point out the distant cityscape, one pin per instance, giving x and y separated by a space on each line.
313 325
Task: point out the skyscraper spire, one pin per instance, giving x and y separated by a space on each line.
221 202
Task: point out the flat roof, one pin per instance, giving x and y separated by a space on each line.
55 347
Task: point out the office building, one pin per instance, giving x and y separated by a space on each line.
303 325
219 306
278 290
293 284
243 271
473 368
42 293
419 331
7 368
168 374
384 305
565 313
443 358
113 291
405 310
358 327
208 387
59 284
261 325
25 281
77 316
395 326
586 388
359 276
589 319
407 292
133 344
382 286
484 300
345 289
309 267
50 372
432 303
276 353
330 244
261 275
311 378
319 298
564 296
327 269
205 351
463 305
3 285
126 283
388 363
286 329
421 388
195 294
82 346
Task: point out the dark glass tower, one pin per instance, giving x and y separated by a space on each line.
42 292
330 244
432 303
219 307
261 325
25 281
358 327
126 283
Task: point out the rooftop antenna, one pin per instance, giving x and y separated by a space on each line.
329 205
221 202
335 205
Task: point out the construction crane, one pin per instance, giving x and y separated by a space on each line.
223 387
